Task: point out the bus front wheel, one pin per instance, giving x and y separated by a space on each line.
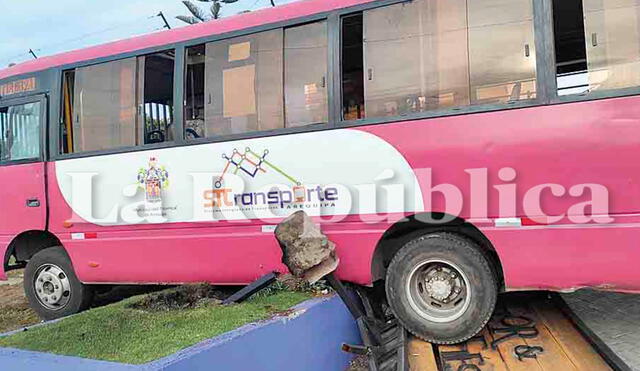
51 285
441 287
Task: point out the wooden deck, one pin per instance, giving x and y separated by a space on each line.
541 323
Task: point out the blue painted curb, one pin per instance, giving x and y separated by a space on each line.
307 339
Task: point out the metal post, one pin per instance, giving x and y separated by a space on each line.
164 19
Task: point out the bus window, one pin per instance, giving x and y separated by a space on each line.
117 104
243 84
305 70
20 132
502 54
429 55
571 53
605 36
104 106
155 76
352 68
416 57
194 93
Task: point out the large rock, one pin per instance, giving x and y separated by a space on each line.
307 252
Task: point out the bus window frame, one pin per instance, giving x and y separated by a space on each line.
544 31
545 81
332 17
44 110
54 142
543 96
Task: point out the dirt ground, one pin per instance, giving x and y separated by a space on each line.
15 312
14 308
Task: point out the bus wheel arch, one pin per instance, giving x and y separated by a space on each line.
412 227
25 245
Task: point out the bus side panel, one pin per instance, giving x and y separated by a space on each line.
568 145
220 253
217 255
569 258
20 184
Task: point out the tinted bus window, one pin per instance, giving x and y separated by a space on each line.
243 84
501 51
105 106
305 56
428 55
612 33
118 104
416 57
20 132
266 81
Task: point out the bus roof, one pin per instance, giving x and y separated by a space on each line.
293 10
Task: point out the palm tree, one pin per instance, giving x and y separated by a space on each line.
198 15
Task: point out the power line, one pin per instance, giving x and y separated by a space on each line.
31 52
252 7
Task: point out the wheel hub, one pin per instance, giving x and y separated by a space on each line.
52 286
439 287
438 291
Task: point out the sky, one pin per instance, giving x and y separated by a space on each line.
53 26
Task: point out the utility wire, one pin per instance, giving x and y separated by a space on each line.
31 52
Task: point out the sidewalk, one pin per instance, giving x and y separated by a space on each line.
613 317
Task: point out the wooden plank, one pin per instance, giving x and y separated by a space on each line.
421 356
553 357
506 348
564 346
451 348
492 359
577 349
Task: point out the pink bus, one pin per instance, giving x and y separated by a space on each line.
451 149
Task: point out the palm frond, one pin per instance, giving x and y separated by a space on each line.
195 10
215 10
188 19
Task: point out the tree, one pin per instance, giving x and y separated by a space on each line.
198 15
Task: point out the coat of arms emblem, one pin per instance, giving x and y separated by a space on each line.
153 180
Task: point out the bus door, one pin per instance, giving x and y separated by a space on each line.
22 168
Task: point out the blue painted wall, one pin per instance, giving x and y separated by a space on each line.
309 341
21 360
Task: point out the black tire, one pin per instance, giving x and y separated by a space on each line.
77 296
425 257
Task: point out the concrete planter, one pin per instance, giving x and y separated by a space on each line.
309 339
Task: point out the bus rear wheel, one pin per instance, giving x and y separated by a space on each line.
51 285
441 287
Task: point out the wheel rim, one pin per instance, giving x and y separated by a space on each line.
52 287
438 291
